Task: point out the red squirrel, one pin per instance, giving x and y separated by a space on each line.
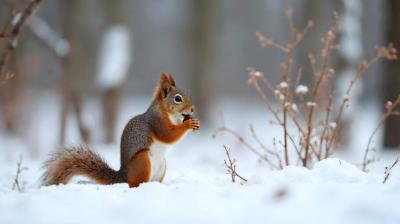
143 143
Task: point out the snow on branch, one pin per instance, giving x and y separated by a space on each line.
50 37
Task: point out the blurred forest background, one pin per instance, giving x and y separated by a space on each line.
111 51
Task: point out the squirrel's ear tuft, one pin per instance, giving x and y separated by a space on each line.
167 77
171 80
163 76
165 85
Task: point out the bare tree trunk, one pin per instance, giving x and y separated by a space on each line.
203 52
12 89
392 74
71 76
117 14
12 97
111 99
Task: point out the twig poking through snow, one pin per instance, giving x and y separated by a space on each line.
17 184
242 140
230 164
386 174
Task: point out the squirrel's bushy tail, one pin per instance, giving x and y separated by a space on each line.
65 163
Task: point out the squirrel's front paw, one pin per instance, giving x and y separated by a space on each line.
192 123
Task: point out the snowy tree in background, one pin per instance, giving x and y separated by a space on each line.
349 57
114 57
113 67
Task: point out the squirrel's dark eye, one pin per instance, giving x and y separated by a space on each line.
178 98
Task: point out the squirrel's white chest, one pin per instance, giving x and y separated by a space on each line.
157 159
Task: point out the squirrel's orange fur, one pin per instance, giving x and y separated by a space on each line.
139 168
143 143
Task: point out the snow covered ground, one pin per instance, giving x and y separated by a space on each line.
197 188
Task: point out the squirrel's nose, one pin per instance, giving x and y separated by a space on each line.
192 109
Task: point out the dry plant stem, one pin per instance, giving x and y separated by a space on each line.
360 71
17 183
224 128
329 41
254 82
247 145
325 126
296 38
286 78
293 116
231 166
12 34
267 83
265 148
315 140
297 123
308 136
390 111
389 53
386 174
285 134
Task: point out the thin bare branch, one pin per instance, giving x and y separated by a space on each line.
391 110
386 174
12 32
230 165
17 183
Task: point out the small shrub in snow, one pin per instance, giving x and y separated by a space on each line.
316 117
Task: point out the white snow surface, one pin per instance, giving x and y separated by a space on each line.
115 57
333 192
196 188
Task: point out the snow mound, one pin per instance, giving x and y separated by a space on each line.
338 171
